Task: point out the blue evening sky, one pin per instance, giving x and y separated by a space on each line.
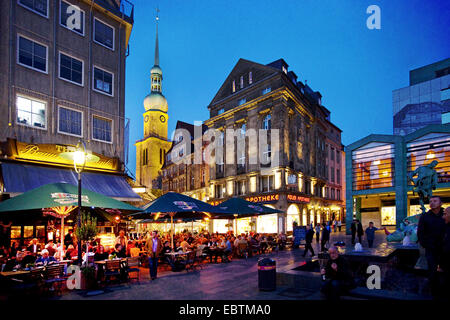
325 42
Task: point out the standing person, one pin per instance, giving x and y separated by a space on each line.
337 275
34 247
153 247
317 233
334 225
370 234
353 229
325 237
339 224
445 260
308 239
430 233
359 230
122 241
68 239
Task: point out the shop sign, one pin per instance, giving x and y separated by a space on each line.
68 198
267 198
297 198
50 153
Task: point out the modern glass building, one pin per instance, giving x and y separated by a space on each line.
377 170
425 100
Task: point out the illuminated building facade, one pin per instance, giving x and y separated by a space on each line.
254 97
62 80
377 168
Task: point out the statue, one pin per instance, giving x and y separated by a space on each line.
408 227
425 182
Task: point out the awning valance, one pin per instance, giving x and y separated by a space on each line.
19 178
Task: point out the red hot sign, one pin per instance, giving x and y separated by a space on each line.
296 198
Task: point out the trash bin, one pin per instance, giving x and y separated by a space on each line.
267 274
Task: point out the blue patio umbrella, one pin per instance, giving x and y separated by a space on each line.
178 206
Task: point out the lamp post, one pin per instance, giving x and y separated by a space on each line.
79 161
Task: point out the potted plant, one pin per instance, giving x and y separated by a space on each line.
87 232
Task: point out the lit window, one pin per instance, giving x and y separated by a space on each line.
101 129
31 112
66 12
267 122
266 90
103 81
222 110
241 81
250 77
70 121
284 69
70 69
38 6
242 101
103 34
233 86
32 54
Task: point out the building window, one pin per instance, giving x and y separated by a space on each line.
101 129
103 81
145 157
233 86
243 130
332 153
221 110
250 77
338 176
241 82
32 54
103 34
338 194
242 101
333 194
267 122
284 69
38 6
161 156
31 112
66 12
332 174
70 121
267 154
266 90
70 69
338 156
266 183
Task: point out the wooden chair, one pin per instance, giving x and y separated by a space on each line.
133 266
112 269
190 261
54 277
243 250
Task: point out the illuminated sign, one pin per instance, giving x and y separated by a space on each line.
296 198
268 198
50 153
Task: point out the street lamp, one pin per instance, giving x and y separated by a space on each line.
79 157
79 161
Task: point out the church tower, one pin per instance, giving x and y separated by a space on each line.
151 150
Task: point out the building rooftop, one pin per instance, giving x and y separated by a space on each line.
429 72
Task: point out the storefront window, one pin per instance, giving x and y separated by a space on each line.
219 225
388 216
373 166
267 223
293 214
16 232
304 218
28 231
433 146
243 225
40 232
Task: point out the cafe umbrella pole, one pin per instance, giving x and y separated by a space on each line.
79 217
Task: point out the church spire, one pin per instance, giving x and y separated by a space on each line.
157 42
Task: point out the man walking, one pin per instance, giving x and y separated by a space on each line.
308 239
153 247
353 229
430 233
317 233
359 230
325 237
339 225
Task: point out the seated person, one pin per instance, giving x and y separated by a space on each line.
135 251
338 276
69 251
26 257
119 251
51 248
185 245
45 258
100 254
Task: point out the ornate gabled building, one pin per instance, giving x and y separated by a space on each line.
152 149
256 96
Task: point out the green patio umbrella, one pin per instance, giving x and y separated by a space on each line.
61 195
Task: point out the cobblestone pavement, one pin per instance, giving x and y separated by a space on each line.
223 281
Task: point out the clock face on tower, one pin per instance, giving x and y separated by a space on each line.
162 119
